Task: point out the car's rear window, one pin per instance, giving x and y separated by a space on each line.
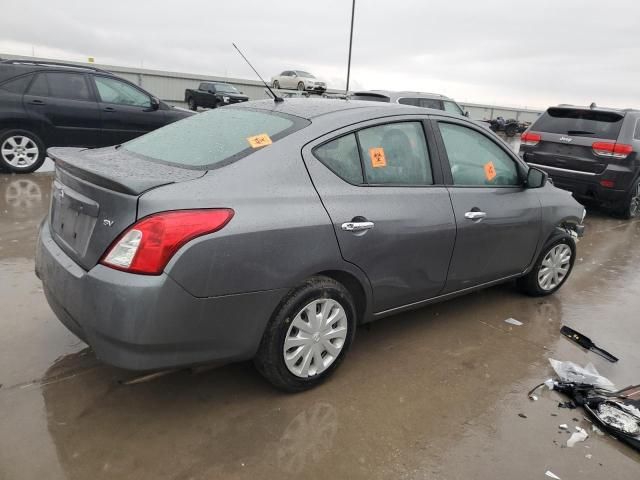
214 138
580 122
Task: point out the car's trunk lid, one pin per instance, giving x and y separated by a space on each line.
95 197
568 134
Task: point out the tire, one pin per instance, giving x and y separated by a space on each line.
21 151
301 86
276 84
631 206
307 356
192 104
533 284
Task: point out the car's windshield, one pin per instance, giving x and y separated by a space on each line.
214 138
225 88
304 74
580 122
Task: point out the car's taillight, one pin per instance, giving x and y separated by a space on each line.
530 138
611 150
147 246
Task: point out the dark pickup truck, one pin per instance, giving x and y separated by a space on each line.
213 95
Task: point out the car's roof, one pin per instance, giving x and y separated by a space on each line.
310 108
596 108
13 68
402 93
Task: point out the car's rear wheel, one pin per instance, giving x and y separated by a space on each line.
308 336
631 208
276 84
192 105
301 86
21 151
553 267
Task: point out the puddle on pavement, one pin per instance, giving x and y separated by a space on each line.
432 393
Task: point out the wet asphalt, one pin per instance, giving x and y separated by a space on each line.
432 394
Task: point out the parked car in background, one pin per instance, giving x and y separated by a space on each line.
590 151
213 95
416 99
56 104
298 80
271 230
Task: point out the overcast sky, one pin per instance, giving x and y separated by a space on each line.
518 53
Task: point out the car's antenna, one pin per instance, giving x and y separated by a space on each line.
276 98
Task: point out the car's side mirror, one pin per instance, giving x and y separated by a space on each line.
536 178
155 103
466 113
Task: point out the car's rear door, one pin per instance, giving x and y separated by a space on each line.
382 188
64 105
126 111
498 219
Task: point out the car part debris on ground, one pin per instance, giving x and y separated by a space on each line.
586 342
513 321
615 412
550 474
580 435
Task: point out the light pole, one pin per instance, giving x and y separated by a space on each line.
353 10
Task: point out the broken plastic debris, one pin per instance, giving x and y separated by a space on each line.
549 383
533 397
571 372
617 416
513 321
580 435
564 426
550 474
588 456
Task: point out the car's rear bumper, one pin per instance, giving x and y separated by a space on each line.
589 186
142 322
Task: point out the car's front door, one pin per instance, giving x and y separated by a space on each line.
65 107
382 188
126 111
498 219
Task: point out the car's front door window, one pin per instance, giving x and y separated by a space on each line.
121 93
452 107
475 160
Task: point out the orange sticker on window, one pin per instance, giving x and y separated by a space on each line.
489 171
258 141
378 160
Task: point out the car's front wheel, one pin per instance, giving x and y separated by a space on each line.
276 84
308 336
301 86
21 151
553 267
192 105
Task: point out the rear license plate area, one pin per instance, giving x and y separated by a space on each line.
73 217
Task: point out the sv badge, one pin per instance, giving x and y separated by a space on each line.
107 223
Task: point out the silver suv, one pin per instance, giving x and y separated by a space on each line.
416 99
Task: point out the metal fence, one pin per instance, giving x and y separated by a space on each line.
170 87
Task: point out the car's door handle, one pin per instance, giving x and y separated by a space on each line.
109 109
475 215
357 226
37 102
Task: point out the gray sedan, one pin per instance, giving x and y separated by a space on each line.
269 231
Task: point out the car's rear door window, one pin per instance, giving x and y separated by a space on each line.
395 154
214 138
39 86
342 158
580 122
476 160
72 86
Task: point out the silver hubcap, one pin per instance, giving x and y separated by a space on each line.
19 151
634 207
315 338
555 267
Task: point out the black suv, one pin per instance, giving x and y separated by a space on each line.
54 104
590 151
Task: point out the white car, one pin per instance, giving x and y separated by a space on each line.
298 80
